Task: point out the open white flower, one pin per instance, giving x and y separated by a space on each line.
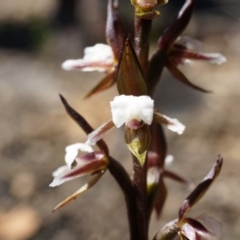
86 164
99 57
92 163
68 171
131 110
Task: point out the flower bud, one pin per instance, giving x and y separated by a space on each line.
146 8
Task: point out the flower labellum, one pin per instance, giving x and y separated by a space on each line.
127 108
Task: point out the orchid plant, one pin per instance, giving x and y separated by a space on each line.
136 75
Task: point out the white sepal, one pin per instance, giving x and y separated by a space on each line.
175 126
96 58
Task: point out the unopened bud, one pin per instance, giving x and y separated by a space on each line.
146 8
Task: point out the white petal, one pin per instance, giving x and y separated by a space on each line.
216 58
96 58
126 108
196 46
98 133
72 152
56 182
175 125
98 52
191 43
72 64
60 170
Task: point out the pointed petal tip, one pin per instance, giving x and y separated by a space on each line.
68 65
63 100
176 126
52 184
56 182
104 84
216 58
84 188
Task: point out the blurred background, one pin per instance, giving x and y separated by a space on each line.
35 38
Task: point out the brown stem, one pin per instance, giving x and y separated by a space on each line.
140 190
122 178
142 35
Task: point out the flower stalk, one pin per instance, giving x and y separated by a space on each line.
136 75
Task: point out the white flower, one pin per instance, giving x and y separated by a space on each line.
90 162
126 108
72 152
96 58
